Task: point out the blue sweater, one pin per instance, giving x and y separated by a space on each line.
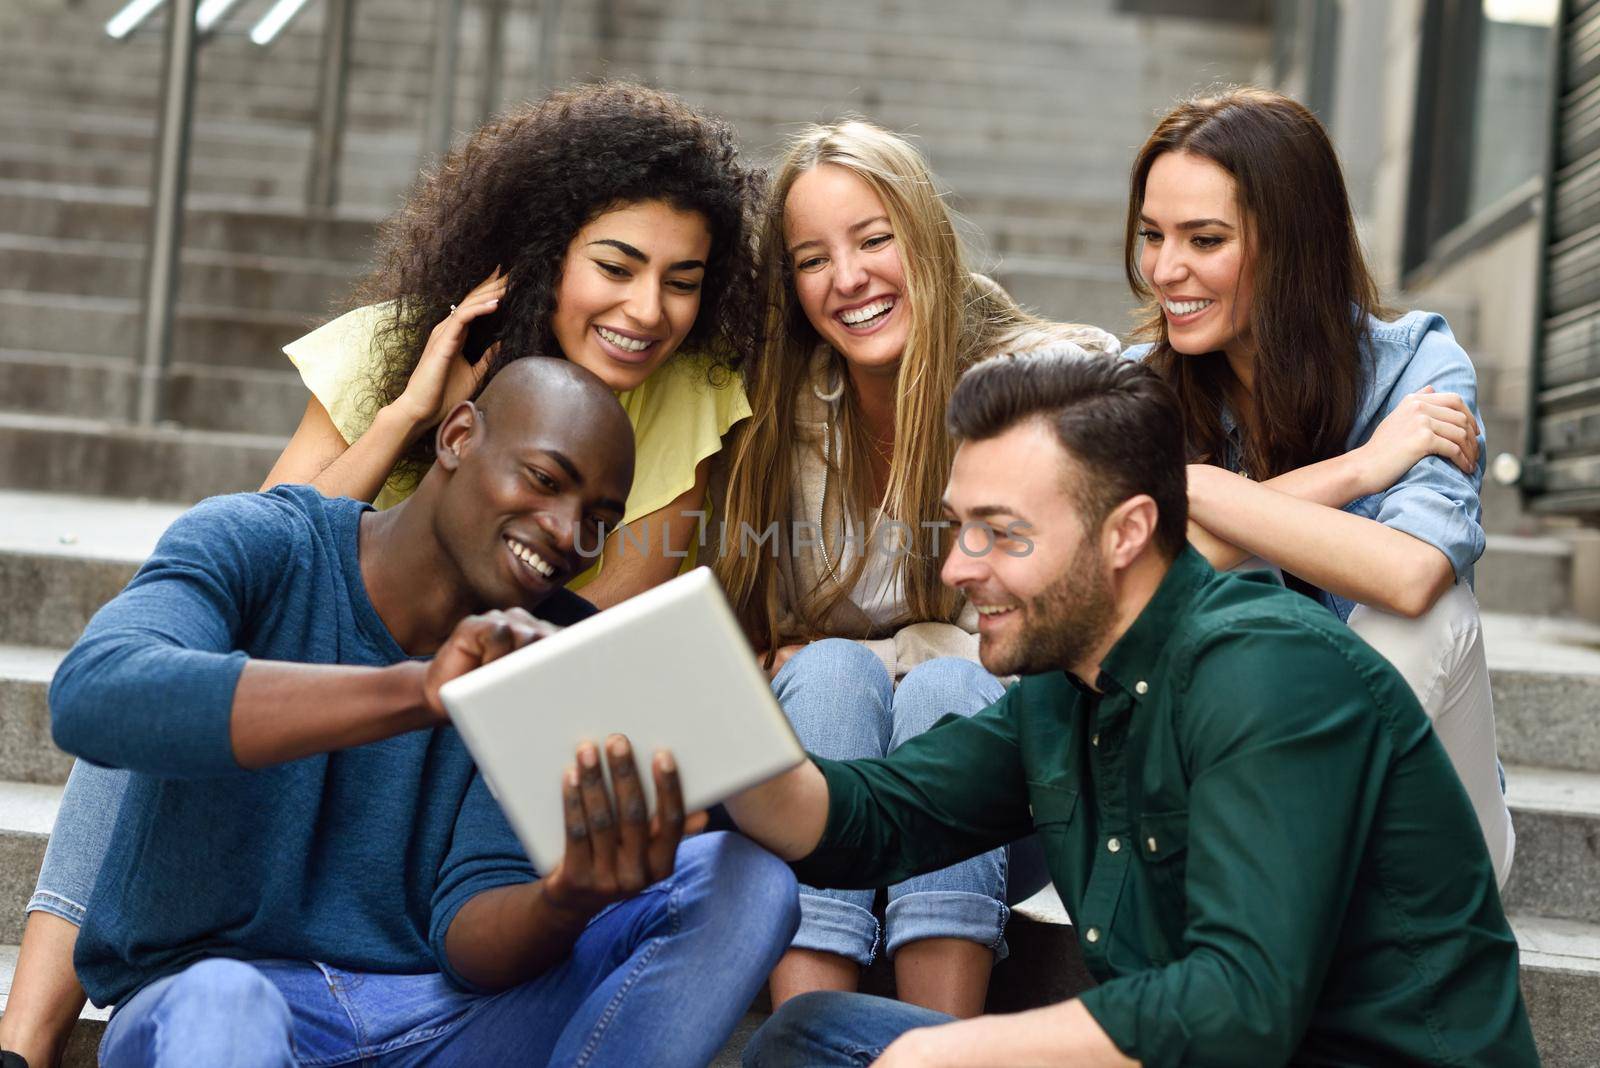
359 858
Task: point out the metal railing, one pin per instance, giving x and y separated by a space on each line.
188 24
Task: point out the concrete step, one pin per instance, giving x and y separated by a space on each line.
207 176
133 134
61 558
198 396
26 752
109 326
219 224
1561 985
378 98
1525 575
27 812
226 60
1557 864
206 277
1560 978
99 458
1098 242
1546 679
1067 290
836 28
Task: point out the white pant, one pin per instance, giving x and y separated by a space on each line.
1441 656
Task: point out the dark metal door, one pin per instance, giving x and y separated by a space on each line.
1562 469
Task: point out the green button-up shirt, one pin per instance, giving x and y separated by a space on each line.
1265 850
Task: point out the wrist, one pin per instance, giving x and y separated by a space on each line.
401 420
1202 491
407 695
557 910
1355 475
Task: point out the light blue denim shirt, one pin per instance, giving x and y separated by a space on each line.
1433 501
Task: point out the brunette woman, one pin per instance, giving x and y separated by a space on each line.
1332 439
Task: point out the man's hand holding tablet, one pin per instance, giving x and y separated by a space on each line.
614 852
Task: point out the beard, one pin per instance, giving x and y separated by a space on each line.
1061 625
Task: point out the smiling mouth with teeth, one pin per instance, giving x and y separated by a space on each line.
532 559
995 609
867 314
622 341
1186 307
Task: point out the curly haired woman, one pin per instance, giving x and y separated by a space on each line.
607 225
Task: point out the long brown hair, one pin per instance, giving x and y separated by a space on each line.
956 318
1312 293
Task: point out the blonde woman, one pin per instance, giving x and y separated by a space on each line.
872 314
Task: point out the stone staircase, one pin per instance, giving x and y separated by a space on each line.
61 556
1030 111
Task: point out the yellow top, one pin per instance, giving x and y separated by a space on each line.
679 416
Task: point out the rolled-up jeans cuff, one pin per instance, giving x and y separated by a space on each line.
44 901
829 925
947 914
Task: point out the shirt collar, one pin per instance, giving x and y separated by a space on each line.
1230 425
1132 659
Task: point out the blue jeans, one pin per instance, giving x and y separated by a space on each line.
827 1029
660 979
844 706
80 841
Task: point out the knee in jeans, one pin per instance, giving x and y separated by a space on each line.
937 688
790 1033
221 989
947 675
838 662
762 886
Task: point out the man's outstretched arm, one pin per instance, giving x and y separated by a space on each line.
786 814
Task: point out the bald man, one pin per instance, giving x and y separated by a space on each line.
307 868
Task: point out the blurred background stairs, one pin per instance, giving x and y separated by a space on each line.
1030 111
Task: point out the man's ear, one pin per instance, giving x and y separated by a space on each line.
1129 530
456 434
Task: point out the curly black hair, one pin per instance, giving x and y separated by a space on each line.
519 190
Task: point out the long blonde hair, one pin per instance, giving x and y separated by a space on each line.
957 317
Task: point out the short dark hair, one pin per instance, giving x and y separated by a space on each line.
1114 416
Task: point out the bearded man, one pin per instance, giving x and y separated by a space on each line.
1265 851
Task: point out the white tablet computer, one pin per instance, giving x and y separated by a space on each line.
669 668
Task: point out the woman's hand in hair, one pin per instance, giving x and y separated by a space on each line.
1423 424
442 379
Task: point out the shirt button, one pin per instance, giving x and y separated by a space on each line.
1151 842
1141 687
1114 845
1092 934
